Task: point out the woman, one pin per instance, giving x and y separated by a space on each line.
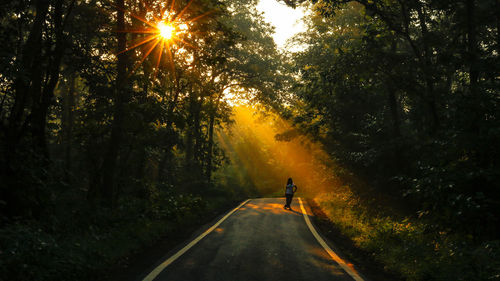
289 191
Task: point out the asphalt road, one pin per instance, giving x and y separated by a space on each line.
259 241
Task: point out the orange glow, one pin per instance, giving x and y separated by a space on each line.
274 208
266 162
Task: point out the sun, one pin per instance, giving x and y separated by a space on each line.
165 30
162 31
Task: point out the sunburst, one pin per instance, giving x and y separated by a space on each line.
162 33
167 31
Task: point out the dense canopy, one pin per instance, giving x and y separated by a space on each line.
114 113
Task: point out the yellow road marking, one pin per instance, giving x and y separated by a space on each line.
170 260
327 248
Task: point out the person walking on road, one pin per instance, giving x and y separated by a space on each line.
289 191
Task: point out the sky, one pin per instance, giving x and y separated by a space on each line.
284 19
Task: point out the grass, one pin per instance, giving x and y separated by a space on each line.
408 246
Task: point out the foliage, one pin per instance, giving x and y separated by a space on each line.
84 243
405 95
112 117
106 147
408 246
97 130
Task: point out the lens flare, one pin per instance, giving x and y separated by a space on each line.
166 30
163 30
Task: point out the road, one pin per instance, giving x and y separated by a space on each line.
258 241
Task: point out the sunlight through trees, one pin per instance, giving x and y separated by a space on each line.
266 150
124 115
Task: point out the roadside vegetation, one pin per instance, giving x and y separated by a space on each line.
407 246
124 122
106 148
383 228
90 243
404 95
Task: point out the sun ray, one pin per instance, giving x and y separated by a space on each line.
135 16
163 32
183 11
172 7
189 44
151 37
171 60
136 31
149 51
145 56
149 9
162 11
162 44
199 17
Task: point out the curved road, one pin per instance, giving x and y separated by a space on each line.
259 241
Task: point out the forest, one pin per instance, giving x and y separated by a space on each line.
123 122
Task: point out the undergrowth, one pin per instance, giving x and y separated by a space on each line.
83 243
410 246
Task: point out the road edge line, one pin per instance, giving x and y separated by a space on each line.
155 272
327 248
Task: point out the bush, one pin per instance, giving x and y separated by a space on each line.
82 243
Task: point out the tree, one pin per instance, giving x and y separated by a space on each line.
33 73
401 92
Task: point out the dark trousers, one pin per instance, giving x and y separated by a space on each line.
288 199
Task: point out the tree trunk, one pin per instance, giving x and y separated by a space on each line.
22 85
41 104
211 126
210 145
121 97
198 153
166 160
472 61
497 8
430 97
392 100
190 137
393 105
67 124
472 47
